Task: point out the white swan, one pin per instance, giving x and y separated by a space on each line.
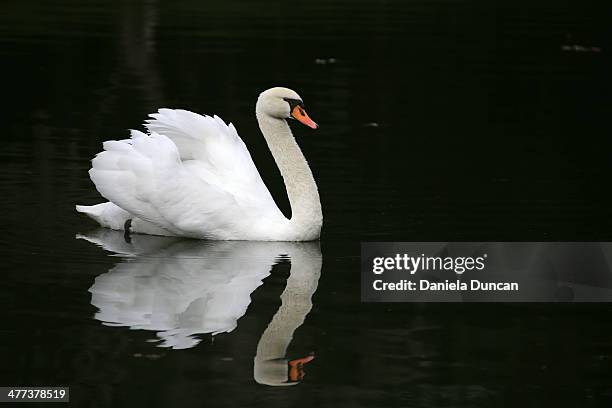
193 176
181 288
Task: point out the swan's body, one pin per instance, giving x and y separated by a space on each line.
193 176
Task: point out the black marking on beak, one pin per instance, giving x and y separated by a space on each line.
293 103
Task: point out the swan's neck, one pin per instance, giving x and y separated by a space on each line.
306 215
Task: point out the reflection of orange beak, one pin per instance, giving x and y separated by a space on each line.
300 114
296 367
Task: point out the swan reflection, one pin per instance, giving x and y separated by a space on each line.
180 288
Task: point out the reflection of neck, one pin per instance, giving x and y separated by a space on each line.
296 303
306 215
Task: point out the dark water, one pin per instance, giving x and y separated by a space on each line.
440 120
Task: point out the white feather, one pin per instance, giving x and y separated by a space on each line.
197 179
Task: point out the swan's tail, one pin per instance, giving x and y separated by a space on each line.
112 216
107 214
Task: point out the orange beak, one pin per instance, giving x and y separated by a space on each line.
298 113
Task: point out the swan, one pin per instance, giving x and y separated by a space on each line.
181 288
192 176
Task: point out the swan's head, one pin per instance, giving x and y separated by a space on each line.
284 103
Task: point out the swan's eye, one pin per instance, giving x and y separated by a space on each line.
293 103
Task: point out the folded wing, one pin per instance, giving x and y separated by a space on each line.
192 175
213 151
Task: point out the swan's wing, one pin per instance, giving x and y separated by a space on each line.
145 176
213 151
